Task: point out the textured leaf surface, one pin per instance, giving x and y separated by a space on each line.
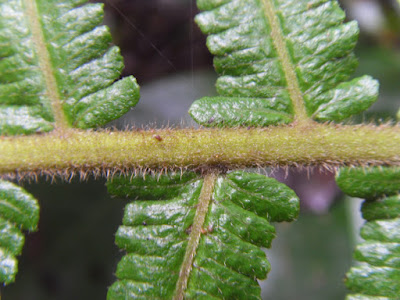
231 111
57 68
369 182
227 260
378 274
383 208
363 297
280 58
18 210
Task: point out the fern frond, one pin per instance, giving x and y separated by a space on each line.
57 67
204 233
377 276
280 60
18 211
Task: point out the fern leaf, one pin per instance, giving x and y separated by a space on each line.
377 276
18 210
280 60
57 68
204 233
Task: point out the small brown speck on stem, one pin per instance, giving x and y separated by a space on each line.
157 137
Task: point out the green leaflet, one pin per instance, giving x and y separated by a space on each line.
230 111
369 182
157 235
383 208
279 59
378 274
18 211
57 68
363 297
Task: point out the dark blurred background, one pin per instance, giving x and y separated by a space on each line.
73 256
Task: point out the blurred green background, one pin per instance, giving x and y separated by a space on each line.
73 255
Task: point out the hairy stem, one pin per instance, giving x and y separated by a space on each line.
310 144
194 239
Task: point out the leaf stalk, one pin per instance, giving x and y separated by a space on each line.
33 14
195 234
326 145
287 65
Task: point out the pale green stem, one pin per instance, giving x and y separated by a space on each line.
287 65
314 144
195 234
46 67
